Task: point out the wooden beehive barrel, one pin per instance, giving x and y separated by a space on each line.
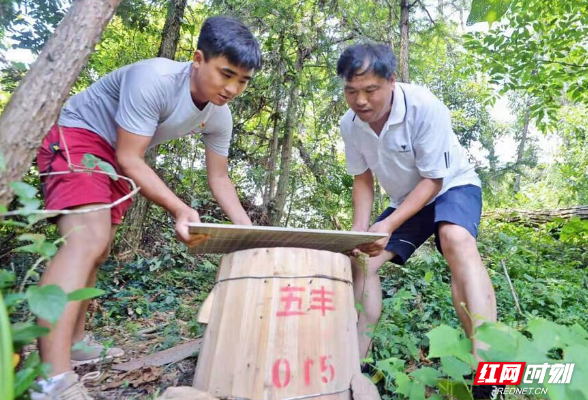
282 324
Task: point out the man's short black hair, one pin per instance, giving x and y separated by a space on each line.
360 59
229 37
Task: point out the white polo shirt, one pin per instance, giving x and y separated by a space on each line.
416 142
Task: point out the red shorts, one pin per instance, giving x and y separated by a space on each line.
78 188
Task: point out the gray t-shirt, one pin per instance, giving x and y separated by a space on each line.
148 98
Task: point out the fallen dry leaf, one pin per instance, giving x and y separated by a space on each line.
134 378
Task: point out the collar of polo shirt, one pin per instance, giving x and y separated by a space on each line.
397 112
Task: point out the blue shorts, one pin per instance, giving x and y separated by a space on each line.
460 205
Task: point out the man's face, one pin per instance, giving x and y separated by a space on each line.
370 96
217 81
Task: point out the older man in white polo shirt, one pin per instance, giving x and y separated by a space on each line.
402 134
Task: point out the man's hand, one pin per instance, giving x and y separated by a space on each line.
184 217
355 228
374 249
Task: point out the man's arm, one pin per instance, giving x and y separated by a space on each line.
418 198
222 188
130 156
363 200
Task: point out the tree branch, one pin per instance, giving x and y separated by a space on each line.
427 11
563 63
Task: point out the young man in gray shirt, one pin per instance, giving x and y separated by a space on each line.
402 134
117 119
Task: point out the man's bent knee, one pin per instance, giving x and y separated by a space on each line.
375 263
370 267
454 237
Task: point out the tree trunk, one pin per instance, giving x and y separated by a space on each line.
461 7
537 217
273 155
270 182
440 7
135 219
404 31
171 30
277 208
35 105
521 148
390 28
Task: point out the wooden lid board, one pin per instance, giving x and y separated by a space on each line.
230 238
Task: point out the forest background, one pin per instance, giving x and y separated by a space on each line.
515 84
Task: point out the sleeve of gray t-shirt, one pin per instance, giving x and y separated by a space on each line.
433 140
217 132
141 101
356 163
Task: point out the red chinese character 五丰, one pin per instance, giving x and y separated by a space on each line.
289 300
322 300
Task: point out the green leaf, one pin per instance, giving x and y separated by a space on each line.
579 330
45 249
20 66
503 341
29 205
106 167
33 360
577 355
47 302
2 163
13 299
23 190
359 307
84 294
23 380
447 341
32 237
10 222
557 299
24 333
7 279
427 376
391 366
573 228
487 11
428 276
507 344
39 245
90 161
404 383
417 391
548 335
454 390
455 368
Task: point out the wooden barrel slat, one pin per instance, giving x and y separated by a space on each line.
257 348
